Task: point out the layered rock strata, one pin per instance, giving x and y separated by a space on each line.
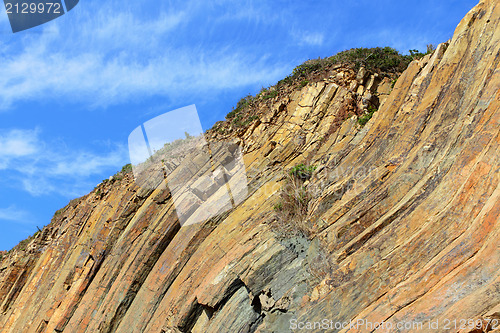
403 226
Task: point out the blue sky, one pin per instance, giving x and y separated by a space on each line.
72 90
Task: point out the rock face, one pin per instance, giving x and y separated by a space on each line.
403 226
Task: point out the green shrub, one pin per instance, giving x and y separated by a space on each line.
232 114
292 209
286 81
378 59
239 120
302 171
367 116
308 67
430 48
416 54
127 168
242 104
270 94
262 92
250 120
23 245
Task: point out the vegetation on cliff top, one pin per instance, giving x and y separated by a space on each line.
382 60
378 59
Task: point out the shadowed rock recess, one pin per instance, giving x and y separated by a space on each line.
402 224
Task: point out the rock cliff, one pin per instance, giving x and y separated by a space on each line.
401 223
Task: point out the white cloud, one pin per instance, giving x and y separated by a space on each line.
84 164
17 143
14 214
109 53
310 38
41 167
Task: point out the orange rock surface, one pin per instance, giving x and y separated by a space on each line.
404 226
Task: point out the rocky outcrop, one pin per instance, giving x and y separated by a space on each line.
403 224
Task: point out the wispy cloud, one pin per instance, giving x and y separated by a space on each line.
110 53
309 38
14 214
43 167
17 143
